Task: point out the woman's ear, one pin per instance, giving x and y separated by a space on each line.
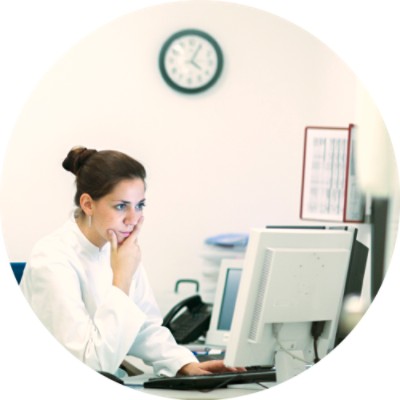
86 203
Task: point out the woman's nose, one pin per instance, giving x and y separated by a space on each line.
131 218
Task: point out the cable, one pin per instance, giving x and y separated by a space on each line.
289 352
317 328
275 331
226 382
220 385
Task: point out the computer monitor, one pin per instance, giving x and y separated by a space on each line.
357 265
224 302
292 287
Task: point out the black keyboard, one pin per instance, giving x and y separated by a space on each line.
212 381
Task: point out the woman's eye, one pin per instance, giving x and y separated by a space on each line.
140 206
120 207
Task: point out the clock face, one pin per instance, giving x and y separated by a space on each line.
191 61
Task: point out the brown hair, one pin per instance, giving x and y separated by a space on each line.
98 172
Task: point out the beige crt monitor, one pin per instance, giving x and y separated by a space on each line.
224 303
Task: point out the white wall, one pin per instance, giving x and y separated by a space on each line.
222 161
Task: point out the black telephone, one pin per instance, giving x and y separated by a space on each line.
187 326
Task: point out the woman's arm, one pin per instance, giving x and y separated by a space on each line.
97 328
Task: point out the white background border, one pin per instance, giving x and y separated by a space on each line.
35 34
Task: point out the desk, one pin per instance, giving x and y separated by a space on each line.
229 392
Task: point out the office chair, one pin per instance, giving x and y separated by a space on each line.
18 270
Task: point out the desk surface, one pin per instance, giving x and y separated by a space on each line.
193 394
136 382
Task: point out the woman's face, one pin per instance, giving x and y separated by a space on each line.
119 211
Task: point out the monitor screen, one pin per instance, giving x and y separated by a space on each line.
289 299
229 298
224 303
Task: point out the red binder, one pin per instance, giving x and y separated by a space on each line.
330 190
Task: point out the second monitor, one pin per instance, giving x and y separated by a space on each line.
224 304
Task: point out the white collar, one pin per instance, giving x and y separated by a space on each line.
84 241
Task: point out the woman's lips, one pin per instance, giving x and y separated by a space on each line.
125 234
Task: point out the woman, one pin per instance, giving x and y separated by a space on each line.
86 283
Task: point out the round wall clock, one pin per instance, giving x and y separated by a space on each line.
191 61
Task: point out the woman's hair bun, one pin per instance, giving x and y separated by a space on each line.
76 158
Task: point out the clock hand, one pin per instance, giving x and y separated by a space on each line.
195 64
192 60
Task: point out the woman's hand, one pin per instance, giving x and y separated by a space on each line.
207 367
125 257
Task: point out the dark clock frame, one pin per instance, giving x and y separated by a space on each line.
167 44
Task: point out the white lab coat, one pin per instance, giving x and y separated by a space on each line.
68 283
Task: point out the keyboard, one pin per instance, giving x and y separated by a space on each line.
212 381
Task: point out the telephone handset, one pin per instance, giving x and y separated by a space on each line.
188 325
